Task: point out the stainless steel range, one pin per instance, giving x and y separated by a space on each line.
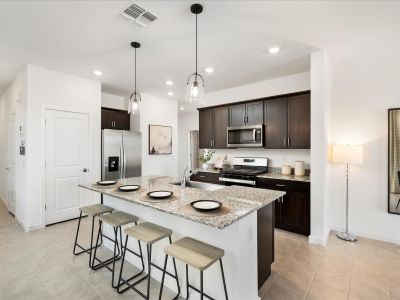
245 171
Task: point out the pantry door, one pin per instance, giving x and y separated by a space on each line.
67 161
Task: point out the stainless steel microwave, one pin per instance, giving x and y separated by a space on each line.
251 136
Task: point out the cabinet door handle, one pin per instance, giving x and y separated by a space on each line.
288 141
280 184
284 142
202 176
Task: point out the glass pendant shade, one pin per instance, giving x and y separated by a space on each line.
134 103
135 99
195 88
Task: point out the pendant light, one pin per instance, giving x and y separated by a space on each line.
135 99
195 83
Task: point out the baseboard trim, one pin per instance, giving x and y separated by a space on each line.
381 238
318 240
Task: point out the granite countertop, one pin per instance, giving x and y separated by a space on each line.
241 200
292 177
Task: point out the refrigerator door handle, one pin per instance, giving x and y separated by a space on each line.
121 167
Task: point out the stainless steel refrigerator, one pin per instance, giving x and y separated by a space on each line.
121 152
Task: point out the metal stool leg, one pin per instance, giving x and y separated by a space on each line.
114 256
91 243
163 276
223 278
76 236
149 249
187 282
201 286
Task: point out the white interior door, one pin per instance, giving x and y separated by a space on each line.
11 165
67 161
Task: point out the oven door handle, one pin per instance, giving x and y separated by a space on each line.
249 182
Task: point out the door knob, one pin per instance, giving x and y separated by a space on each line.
85 170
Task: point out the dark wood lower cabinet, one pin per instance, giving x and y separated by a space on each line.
206 177
292 212
265 242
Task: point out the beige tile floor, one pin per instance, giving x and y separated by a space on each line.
40 265
368 269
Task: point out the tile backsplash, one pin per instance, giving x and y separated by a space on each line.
276 158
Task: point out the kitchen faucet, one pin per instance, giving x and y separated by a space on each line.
186 178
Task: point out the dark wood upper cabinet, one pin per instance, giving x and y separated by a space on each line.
205 128
115 119
251 113
276 123
107 118
221 120
288 122
212 128
237 115
286 119
299 126
254 113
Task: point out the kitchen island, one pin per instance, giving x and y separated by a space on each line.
235 231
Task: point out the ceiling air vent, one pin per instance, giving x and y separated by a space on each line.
138 15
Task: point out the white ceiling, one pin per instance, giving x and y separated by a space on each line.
77 37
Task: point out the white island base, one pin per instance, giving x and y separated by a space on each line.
239 240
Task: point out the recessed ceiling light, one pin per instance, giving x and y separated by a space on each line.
209 70
97 72
170 93
274 49
169 82
181 108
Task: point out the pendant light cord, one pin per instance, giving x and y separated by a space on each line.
135 70
196 46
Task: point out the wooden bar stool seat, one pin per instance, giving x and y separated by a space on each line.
149 234
94 210
116 220
198 255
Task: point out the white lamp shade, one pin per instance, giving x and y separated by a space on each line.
347 154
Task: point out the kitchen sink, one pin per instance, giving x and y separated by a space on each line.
201 185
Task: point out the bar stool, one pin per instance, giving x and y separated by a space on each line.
198 255
93 211
116 220
149 234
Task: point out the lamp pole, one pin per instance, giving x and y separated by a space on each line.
346 235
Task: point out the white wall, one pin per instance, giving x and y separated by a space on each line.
186 122
48 89
288 84
320 142
159 111
365 84
119 102
13 102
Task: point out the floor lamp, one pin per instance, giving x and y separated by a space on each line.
348 155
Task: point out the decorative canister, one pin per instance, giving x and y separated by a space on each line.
286 170
299 168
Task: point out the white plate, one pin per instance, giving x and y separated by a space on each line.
128 188
207 205
106 182
160 194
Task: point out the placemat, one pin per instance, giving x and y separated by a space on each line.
188 209
146 198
